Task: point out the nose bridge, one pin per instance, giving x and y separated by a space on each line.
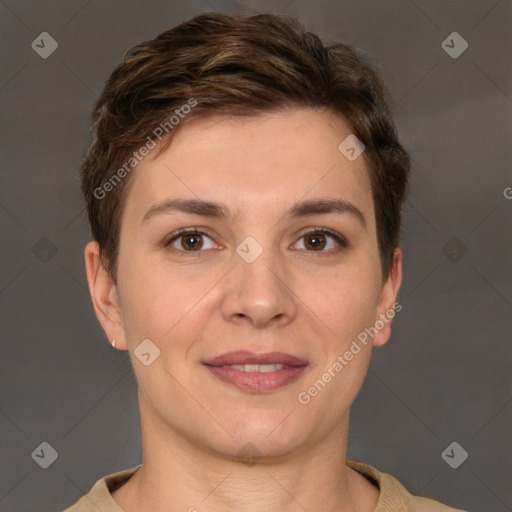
258 289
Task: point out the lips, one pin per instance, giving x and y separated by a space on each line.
243 357
256 373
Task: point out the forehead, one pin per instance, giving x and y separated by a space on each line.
256 161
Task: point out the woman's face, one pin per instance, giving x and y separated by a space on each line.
252 281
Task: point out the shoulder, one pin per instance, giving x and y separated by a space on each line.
394 496
100 497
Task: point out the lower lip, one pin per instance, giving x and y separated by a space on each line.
257 382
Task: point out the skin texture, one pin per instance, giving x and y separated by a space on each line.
294 298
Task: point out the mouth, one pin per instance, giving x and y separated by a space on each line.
256 373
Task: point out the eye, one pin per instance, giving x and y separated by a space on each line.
189 240
316 240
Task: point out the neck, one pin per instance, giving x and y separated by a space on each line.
177 475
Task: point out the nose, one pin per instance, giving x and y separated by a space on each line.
259 293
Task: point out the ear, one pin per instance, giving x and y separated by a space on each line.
387 306
104 296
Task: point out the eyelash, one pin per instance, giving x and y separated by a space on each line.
340 239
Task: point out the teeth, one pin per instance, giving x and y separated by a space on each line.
259 368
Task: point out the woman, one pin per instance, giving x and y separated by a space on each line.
244 190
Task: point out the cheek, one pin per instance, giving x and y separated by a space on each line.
347 302
347 306
145 306
160 304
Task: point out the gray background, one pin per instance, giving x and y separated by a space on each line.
445 374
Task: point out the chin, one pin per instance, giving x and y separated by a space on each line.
264 434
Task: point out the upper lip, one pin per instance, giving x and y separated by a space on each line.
245 357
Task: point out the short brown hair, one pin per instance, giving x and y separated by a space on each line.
237 65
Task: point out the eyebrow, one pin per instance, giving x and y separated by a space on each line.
220 211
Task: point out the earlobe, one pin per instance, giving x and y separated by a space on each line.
104 296
388 305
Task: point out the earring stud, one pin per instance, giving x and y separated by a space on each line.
114 343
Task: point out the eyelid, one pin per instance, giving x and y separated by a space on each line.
184 231
338 237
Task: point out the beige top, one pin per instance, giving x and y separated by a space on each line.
393 497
